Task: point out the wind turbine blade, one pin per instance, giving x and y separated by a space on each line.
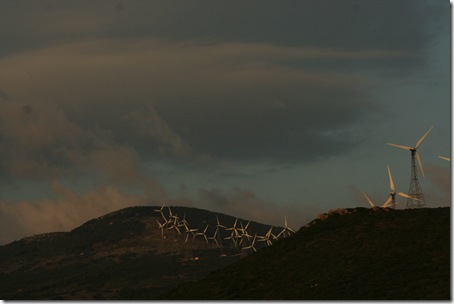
402 147
419 162
422 138
391 183
368 199
280 233
269 232
387 202
445 158
405 195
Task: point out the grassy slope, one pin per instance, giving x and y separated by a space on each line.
366 254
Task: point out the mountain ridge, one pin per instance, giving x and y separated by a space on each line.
345 254
84 263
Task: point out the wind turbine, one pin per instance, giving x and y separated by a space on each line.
218 225
233 228
415 190
286 229
234 234
215 237
252 244
161 226
385 204
266 238
160 210
184 223
163 216
368 199
391 201
232 237
203 233
188 230
244 233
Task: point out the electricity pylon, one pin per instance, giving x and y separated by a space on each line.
417 197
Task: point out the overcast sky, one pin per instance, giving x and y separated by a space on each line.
257 109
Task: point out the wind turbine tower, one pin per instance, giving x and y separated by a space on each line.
416 199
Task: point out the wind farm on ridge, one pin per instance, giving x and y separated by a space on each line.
415 197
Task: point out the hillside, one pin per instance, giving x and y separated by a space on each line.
347 254
121 255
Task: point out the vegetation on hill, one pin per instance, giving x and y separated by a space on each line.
346 254
121 255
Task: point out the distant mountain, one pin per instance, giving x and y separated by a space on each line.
345 254
123 255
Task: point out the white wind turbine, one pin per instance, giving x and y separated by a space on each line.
161 226
162 214
244 233
218 224
234 234
214 238
203 233
232 237
267 237
368 199
252 244
188 231
391 201
173 217
392 195
216 232
166 221
385 204
415 190
233 228
183 223
160 210
286 229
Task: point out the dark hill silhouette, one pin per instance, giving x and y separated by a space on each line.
121 255
346 254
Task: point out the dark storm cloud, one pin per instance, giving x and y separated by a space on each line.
233 101
346 24
279 117
42 143
236 80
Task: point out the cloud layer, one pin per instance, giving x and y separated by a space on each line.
105 92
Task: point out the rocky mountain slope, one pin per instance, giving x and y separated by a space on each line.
122 255
346 254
